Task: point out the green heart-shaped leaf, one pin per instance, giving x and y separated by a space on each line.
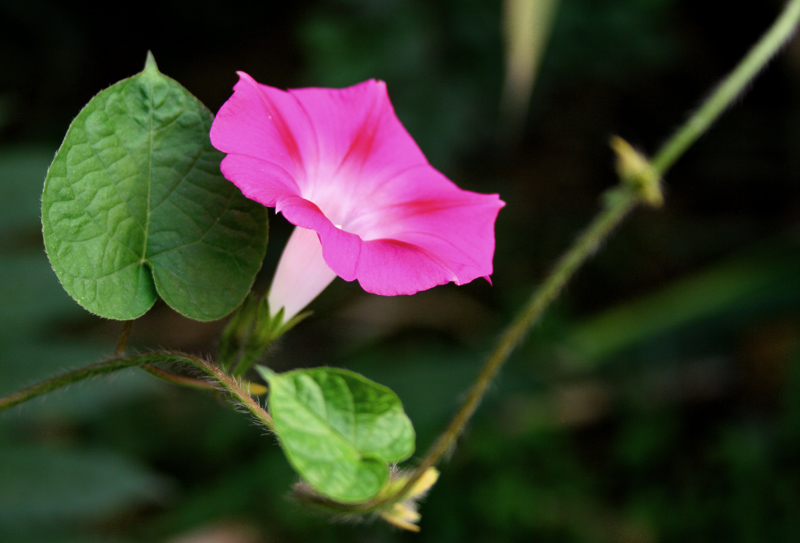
339 430
134 207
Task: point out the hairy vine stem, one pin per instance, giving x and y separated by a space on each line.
149 361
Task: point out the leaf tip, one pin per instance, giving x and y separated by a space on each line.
265 373
150 63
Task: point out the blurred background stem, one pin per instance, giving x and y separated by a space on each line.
639 184
730 88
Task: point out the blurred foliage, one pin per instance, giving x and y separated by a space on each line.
658 402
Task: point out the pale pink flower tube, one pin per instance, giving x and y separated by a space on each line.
340 163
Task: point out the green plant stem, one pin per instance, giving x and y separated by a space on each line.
190 382
232 387
39 389
730 88
122 344
124 336
148 360
619 203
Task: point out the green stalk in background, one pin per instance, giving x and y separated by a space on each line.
640 183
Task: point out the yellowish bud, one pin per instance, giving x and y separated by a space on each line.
635 170
403 514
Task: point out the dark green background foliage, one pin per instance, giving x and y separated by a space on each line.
658 402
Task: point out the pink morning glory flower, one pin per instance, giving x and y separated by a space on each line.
339 165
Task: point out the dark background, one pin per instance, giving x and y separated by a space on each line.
658 401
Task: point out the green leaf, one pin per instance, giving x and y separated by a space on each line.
339 430
134 207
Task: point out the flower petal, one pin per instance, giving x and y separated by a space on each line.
357 128
339 162
268 137
301 275
413 260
